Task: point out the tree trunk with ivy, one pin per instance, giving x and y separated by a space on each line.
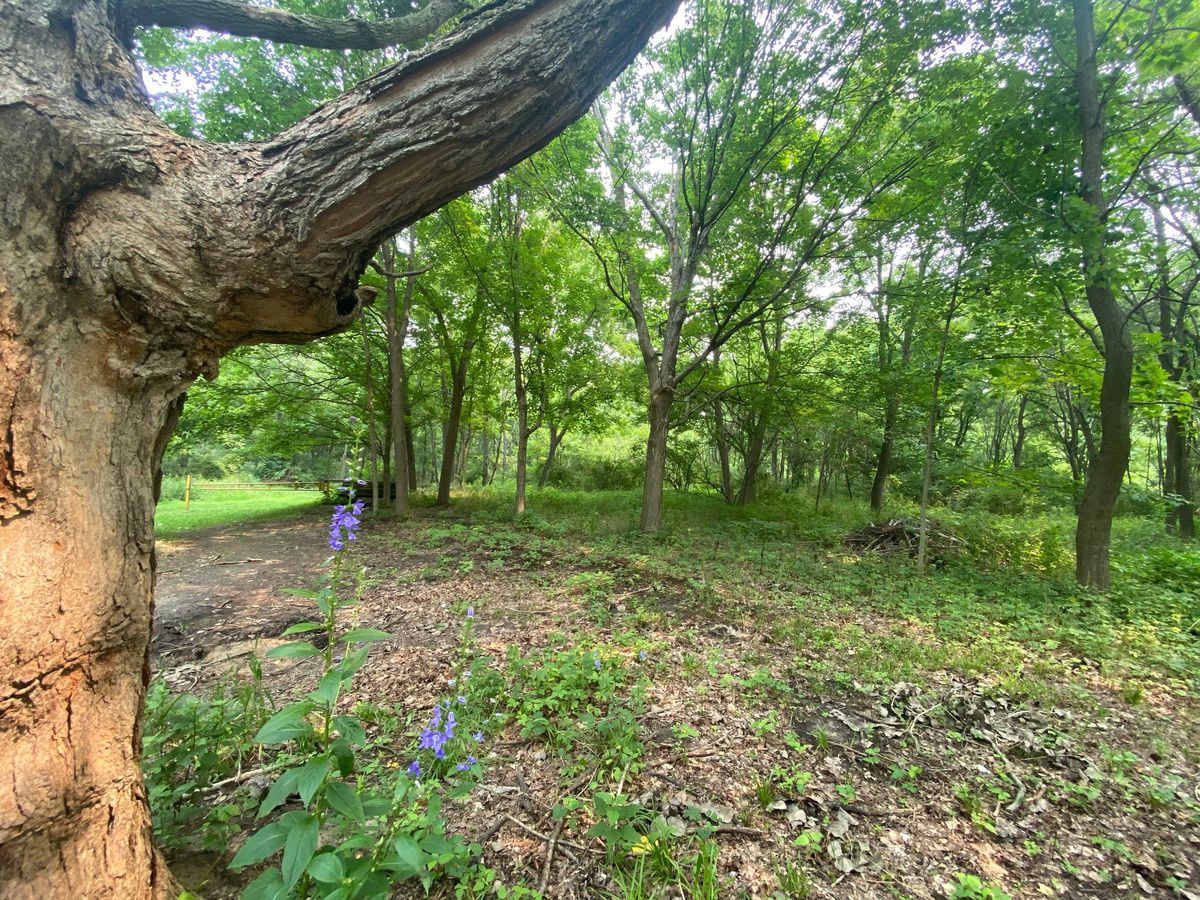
131 259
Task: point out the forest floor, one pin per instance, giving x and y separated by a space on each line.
832 723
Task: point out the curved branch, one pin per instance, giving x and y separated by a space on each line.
1187 98
246 20
448 118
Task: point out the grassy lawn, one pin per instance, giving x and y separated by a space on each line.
211 508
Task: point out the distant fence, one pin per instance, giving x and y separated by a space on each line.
261 485
322 486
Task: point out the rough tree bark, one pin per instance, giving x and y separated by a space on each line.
1094 528
131 259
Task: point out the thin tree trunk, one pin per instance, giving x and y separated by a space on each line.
883 465
458 389
372 431
522 413
397 331
931 425
556 437
1094 529
410 448
1019 439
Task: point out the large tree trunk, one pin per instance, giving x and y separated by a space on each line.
1094 528
656 459
754 454
130 260
75 610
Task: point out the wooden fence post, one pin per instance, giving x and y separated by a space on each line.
187 494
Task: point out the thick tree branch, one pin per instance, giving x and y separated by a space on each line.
450 117
1188 98
247 20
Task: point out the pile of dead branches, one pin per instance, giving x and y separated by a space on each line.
903 536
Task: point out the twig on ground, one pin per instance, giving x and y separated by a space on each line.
542 882
239 778
561 843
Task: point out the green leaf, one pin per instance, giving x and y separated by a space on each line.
350 728
409 860
300 592
263 843
284 787
344 754
354 635
287 724
309 777
298 650
328 689
352 662
301 627
345 800
299 849
267 886
327 867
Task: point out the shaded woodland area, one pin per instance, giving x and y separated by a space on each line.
769 475
935 252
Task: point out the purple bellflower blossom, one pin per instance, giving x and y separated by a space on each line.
343 527
437 735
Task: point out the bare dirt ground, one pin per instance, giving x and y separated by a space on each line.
1031 794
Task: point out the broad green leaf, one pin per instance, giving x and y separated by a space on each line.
327 868
287 724
354 635
298 650
261 844
350 728
327 690
352 662
345 800
344 754
284 787
409 860
299 848
267 886
309 778
301 627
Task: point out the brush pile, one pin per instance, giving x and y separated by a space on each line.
903 536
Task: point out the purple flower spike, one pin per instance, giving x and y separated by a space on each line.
470 612
414 768
343 526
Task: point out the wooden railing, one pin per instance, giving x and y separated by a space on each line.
322 486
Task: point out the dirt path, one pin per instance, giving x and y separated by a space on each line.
224 586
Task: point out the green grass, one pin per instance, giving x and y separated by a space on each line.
211 508
1007 603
